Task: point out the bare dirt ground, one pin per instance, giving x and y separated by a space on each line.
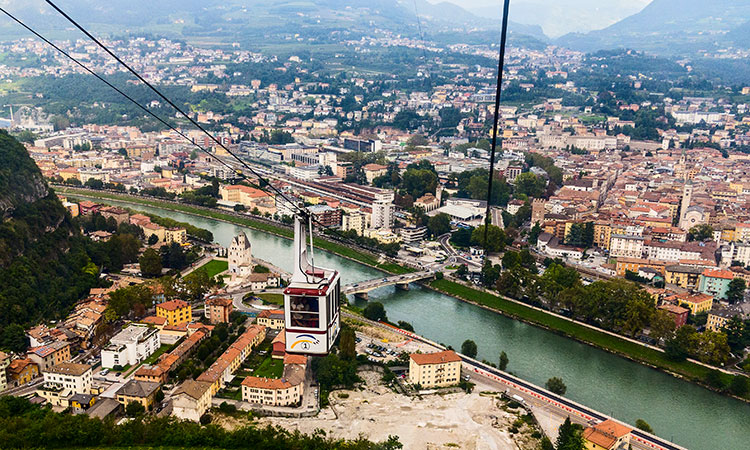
464 421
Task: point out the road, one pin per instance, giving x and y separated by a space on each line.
454 256
367 286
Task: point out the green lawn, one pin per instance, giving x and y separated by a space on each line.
606 341
274 299
160 351
215 267
269 368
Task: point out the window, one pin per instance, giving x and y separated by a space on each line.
305 312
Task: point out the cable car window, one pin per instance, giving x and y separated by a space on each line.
305 312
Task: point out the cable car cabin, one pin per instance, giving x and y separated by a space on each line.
311 302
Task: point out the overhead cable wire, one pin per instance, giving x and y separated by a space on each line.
118 90
173 105
496 120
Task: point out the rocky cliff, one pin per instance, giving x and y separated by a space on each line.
21 181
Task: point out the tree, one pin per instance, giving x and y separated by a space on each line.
375 311
712 348
736 291
738 334
679 346
405 326
469 348
556 385
529 184
490 273
462 237
462 271
503 363
569 436
496 238
662 325
134 409
153 239
150 263
14 338
643 425
739 385
197 283
702 232
534 233
439 224
347 343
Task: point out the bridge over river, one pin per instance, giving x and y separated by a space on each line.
361 289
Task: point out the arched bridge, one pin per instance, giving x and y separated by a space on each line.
400 281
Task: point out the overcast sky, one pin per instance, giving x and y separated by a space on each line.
557 17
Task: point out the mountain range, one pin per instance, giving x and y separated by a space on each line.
239 20
676 27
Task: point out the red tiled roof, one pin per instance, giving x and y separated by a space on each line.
435 358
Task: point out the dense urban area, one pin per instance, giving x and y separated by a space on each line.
619 217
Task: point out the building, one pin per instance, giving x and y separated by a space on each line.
175 311
438 369
223 369
355 220
131 346
75 377
21 371
362 145
686 277
607 435
285 391
715 282
696 303
81 403
240 255
191 400
325 216
383 210
50 355
373 171
625 245
120 215
678 313
4 363
176 235
261 281
271 318
218 309
413 235
143 392
720 316
427 202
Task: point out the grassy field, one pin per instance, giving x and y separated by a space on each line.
269 368
214 267
606 341
274 299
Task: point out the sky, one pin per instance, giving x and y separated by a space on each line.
557 17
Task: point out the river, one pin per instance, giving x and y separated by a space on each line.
677 410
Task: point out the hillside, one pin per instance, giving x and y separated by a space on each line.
253 22
44 261
669 27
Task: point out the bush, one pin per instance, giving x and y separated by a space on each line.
713 379
134 409
375 311
643 425
739 385
556 385
469 348
205 419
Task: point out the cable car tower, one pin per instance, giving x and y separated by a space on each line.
311 301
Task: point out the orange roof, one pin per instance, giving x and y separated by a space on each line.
606 433
435 358
252 192
172 305
295 359
269 312
266 383
154 320
726 274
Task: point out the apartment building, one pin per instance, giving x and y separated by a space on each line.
175 311
131 346
438 369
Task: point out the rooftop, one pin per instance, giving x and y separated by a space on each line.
435 358
68 368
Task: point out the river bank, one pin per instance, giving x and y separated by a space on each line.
630 350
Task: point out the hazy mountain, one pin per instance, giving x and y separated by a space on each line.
564 16
669 26
245 20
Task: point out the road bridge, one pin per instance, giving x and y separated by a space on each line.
400 281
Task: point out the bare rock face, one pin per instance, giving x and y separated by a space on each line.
21 181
